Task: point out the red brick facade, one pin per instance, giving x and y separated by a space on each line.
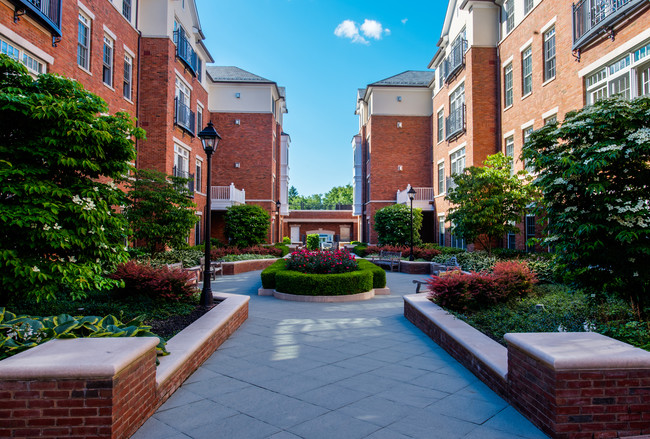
334 222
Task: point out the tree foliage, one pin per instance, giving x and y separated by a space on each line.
160 212
336 195
59 152
594 174
488 201
247 225
393 225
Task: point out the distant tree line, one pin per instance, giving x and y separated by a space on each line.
337 196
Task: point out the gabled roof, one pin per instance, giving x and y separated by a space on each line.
409 78
234 74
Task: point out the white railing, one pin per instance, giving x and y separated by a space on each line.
423 195
226 196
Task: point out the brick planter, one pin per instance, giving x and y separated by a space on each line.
105 387
570 385
230 268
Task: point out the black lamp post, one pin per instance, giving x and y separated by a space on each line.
209 138
277 209
411 193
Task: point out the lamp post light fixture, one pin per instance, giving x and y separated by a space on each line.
411 193
209 138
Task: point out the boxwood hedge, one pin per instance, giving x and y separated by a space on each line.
305 284
268 274
378 273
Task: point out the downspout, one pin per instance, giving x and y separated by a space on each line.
137 107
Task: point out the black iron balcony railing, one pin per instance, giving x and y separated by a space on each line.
184 174
183 116
590 17
455 60
455 123
185 51
48 12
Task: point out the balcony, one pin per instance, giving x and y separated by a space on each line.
455 123
183 116
455 60
595 17
423 197
47 12
185 51
225 196
184 174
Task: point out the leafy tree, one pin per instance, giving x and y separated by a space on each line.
594 175
160 212
338 195
488 201
247 225
393 225
293 193
59 152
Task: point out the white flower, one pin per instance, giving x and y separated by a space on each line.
640 136
609 148
112 185
56 226
72 259
636 274
101 228
96 189
77 199
35 269
46 227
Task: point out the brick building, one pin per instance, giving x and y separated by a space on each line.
103 43
392 151
504 68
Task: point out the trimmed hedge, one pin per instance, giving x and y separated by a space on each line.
268 274
341 284
378 273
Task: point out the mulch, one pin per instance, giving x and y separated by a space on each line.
169 327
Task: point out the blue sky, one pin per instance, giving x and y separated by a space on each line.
322 51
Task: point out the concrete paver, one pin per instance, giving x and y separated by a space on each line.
332 370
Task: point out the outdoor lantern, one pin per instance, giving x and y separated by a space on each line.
277 205
411 193
209 138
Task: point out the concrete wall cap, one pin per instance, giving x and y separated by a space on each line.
580 351
77 358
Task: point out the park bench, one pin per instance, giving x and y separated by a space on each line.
436 269
215 267
392 259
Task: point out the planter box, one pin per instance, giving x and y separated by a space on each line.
230 268
105 387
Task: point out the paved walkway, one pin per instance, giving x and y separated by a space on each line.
332 371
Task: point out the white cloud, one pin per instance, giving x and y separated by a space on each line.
349 29
372 29
404 20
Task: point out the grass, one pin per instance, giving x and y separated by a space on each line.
555 308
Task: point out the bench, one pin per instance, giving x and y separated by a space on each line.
392 259
418 285
215 267
196 271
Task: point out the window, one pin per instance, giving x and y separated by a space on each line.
441 178
199 118
550 120
620 86
549 54
441 230
627 77
181 161
128 76
83 42
198 236
107 71
441 125
126 9
507 83
455 241
184 117
530 231
199 175
526 134
527 71
509 8
512 241
528 6
32 64
510 152
456 119
199 70
457 160
9 50
644 80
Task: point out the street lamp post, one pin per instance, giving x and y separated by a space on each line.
209 138
277 210
411 193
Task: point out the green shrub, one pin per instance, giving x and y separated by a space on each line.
393 225
245 257
378 273
188 257
305 284
285 249
470 261
313 242
19 333
360 250
286 240
356 243
268 274
247 225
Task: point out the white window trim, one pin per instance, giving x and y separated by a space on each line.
507 61
200 104
26 45
86 10
550 113
181 143
440 161
525 46
442 107
528 124
548 25
179 75
459 147
461 82
111 34
129 51
510 133
619 51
